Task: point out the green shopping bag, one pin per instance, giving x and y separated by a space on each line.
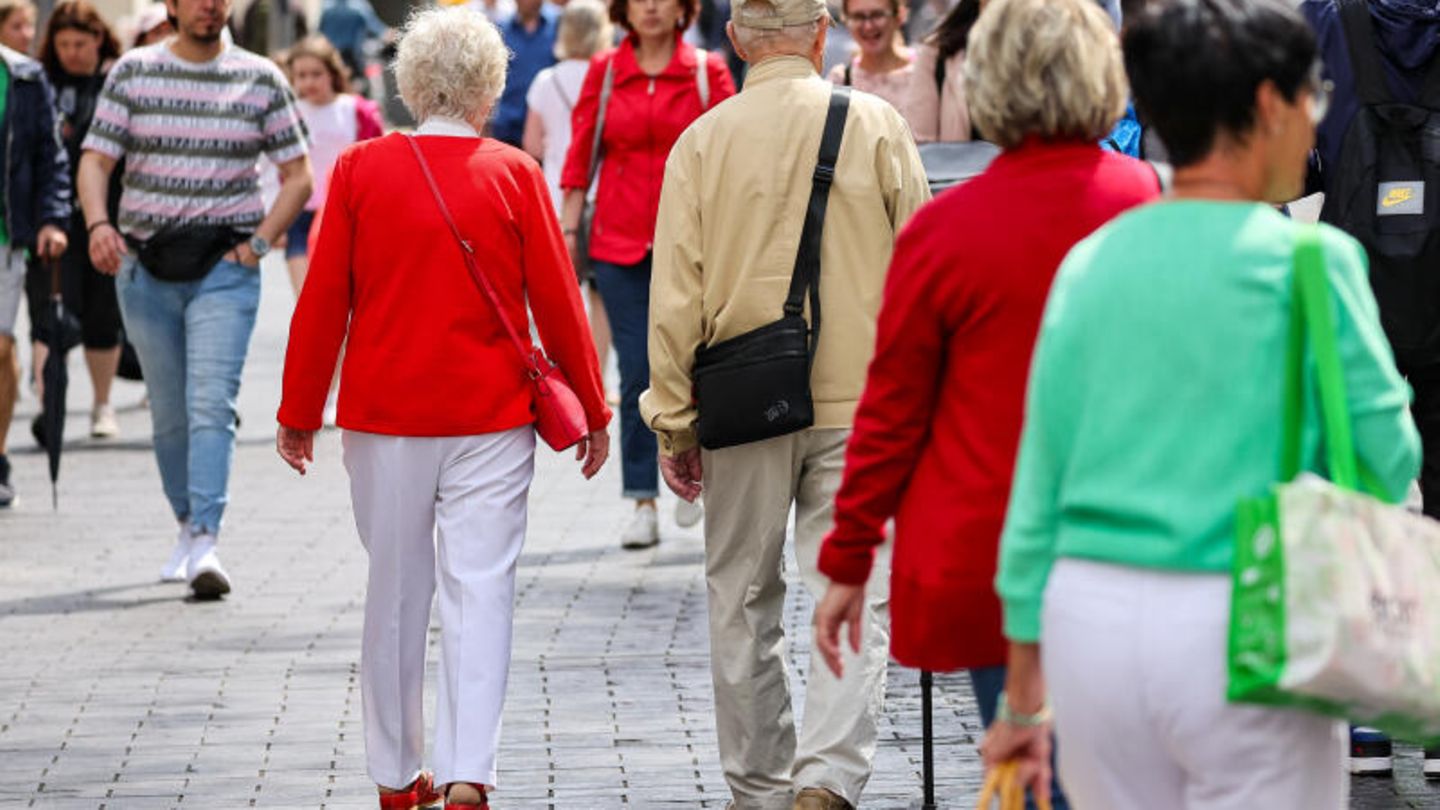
1336 601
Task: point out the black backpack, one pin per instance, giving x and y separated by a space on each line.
1385 192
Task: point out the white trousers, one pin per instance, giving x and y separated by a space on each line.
749 491
465 497
1135 660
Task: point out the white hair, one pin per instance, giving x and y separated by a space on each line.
451 62
789 39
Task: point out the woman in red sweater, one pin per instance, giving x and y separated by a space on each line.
658 85
939 423
434 398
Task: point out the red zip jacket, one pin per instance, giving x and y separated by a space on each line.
642 121
938 426
425 353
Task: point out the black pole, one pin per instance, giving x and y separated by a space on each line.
927 733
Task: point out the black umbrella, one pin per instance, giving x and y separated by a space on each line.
62 332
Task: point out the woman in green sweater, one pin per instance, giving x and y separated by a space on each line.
1154 405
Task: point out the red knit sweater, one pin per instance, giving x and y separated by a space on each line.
425 353
938 426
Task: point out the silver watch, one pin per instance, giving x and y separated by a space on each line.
259 246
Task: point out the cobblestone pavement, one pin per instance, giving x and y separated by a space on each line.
115 692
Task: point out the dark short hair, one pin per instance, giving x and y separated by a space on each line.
1195 66
76 15
620 11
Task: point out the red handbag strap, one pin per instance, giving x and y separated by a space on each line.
526 357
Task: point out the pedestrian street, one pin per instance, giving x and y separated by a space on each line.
116 692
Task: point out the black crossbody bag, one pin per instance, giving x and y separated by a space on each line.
757 385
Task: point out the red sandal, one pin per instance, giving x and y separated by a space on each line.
484 799
421 793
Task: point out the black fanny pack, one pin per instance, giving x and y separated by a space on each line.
756 386
185 252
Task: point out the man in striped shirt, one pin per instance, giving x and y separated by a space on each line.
191 116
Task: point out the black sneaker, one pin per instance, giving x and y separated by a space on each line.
7 492
1370 752
1431 768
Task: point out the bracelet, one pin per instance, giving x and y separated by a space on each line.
1005 714
569 231
92 226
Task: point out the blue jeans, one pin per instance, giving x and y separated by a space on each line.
191 338
988 683
625 289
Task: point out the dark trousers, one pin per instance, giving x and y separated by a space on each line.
988 683
625 290
1426 411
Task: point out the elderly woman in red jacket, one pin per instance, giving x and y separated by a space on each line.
658 86
939 423
434 398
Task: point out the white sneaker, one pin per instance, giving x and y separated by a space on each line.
102 423
688 513
177 569
643 531
207 577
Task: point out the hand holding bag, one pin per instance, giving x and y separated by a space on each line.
559 417
756 385
1335 607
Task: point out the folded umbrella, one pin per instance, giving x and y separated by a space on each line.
62 332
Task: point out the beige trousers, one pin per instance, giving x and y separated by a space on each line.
748 494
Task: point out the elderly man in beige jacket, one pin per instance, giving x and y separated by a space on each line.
737 186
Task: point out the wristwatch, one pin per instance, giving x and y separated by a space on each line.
259 246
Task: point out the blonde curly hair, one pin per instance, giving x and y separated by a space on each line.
451 62
1046 68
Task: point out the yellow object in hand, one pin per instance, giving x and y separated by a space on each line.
1002 783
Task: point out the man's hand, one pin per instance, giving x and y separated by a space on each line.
297 447
683 473
51 242
593 450
242 254
107 249
842 605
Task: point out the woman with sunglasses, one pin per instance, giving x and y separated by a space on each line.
1154 406
883 62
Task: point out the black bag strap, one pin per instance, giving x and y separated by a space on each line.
607 85
807 259
1364 54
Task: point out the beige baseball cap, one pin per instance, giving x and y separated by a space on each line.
772 14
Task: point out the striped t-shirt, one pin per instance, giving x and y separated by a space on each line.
191 134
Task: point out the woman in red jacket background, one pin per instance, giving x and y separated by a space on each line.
434 400
938 426
658 87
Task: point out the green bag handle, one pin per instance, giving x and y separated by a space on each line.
1310 317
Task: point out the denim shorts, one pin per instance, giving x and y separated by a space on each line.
298 237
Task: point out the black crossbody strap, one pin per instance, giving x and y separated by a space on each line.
1364 55
807 259
606 86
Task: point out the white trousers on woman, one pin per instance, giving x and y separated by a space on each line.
1135 660
465 497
